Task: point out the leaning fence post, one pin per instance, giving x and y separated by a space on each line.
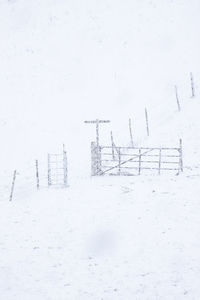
37 175
13 185
177 98
49 171
147 121
180 156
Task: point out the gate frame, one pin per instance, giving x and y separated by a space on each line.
64 168
96 159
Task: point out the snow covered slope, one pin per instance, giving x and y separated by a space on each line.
66 61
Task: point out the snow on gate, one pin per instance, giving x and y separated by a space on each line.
57 169
130 161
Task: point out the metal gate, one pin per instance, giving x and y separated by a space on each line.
57 169
130 161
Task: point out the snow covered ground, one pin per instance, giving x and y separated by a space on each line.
105 238
116 238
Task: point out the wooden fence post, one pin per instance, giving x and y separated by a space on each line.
131 134
13 185
93 159
192 85
147 121
97 122
177 98
112 144
37 175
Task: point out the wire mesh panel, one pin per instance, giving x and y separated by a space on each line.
129 161
57 169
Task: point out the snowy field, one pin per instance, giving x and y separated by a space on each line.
107 239
102 238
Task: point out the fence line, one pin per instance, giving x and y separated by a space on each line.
36 176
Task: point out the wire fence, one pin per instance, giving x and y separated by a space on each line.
38 175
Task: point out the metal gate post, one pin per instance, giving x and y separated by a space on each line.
93 159
119 153
180 156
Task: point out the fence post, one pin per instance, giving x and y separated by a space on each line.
180 156
98 159
13 185
37 175
192 85
93 159
177 98
49 171
119 153
65 166
140 159
112 144
147 121
131 135
159 163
